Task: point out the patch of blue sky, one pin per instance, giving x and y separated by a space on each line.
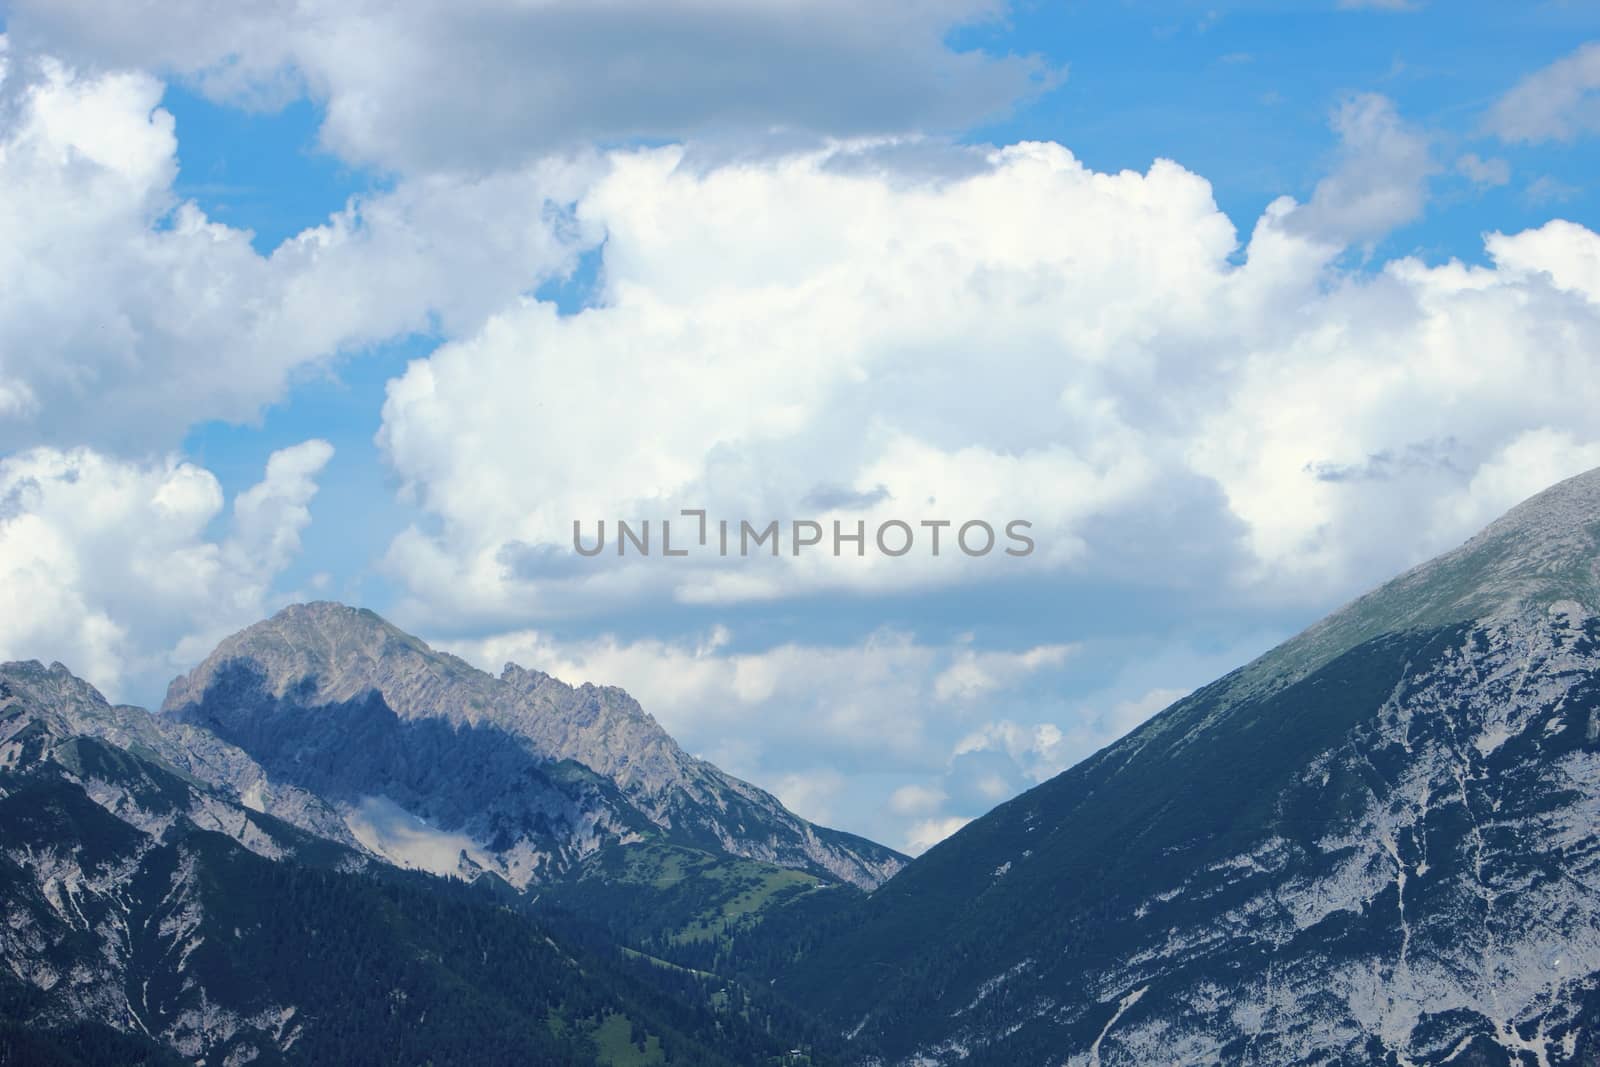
356 512
260 171
580 288
1240 93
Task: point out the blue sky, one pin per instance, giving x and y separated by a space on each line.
363 307
1241 93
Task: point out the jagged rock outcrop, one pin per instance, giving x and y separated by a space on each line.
105 825
42 708
605 729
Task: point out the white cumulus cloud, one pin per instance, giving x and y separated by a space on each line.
1030 339
112 567
127 315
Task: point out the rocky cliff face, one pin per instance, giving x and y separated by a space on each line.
522 774
42 708
605 729
1380 843
1427 887
104 835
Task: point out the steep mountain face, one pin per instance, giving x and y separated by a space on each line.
99 851
45 712
434 762
606 730
1379 843
148 916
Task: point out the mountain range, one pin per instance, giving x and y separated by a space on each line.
1376 844
328 743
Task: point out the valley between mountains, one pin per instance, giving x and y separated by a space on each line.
1377 844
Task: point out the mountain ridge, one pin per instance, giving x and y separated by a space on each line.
321 663
1283 867
1541 551
1544 550
152 909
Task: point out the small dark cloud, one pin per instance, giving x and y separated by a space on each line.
1389 463
1548 190
527 562
919 160
839 498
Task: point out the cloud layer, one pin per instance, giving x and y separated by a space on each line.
1033 340
450 86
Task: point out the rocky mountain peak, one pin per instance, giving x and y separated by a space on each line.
54 687
530 680
328 653
67 704
348 705
585 700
